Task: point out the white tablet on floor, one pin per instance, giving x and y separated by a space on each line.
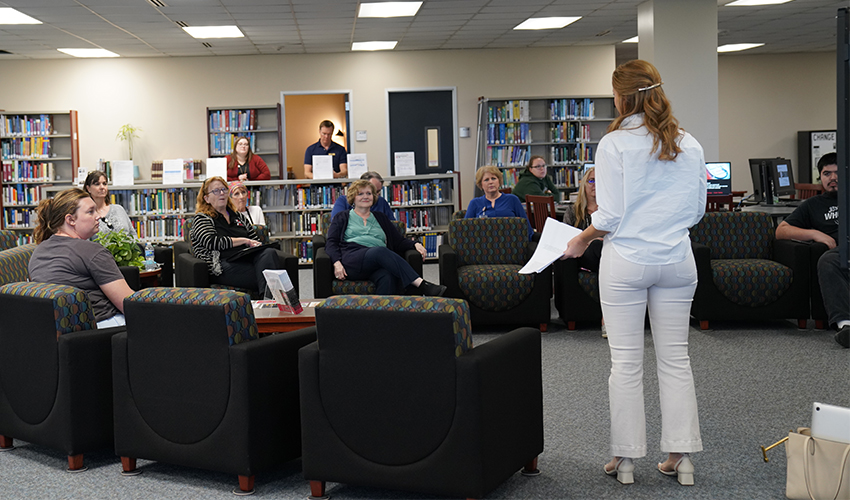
831 422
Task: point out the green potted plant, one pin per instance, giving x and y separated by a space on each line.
127 133
123 248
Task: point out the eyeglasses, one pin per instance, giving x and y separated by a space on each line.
217 192
591 181
538 166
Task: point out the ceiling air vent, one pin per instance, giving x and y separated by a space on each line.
207 45
181 24
603 33
157 3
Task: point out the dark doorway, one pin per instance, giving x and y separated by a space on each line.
423 118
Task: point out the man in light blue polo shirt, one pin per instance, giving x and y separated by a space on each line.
326 146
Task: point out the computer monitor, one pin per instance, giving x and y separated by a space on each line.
783 177
719 178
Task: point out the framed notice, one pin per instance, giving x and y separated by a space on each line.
122 173
357 165
217 167
405 163
172 171
323 167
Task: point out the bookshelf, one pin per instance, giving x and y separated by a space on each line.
37 149
292 208
563 130
261 124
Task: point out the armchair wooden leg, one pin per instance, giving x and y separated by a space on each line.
75 463
317 489
544 327
571 325
128 467
820 324
6 443
246 486
703 324
803 324
530 468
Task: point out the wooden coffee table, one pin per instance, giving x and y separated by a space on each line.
272 319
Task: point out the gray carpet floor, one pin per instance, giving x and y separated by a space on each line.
754 382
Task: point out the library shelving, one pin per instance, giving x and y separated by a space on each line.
37 149
564 130
260 124
293 208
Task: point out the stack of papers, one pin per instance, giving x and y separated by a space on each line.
553 241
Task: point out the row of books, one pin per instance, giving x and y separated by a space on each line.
156 201
27 171
508 157
572 109
19 217
298 223
221 143
511 111
233 120
508 133
317 196
571 154
418 192
21 194
431 242
25 238
24 125
569 132
160 230
192 169
25 148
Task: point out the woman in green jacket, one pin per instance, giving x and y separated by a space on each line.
533 180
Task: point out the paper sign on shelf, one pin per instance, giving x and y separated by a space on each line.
172 171
217 167
405 163
357 165
323 167
122 173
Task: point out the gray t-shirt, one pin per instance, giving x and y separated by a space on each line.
81 263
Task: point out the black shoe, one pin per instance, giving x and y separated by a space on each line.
842 337
431 290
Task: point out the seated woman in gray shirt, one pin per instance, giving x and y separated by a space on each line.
112 216
65 256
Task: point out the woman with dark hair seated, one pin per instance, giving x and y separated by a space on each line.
365 245
112 216
65 256
535 180
219 232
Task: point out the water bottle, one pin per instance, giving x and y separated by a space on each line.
149 262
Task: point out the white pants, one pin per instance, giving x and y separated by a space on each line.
626 290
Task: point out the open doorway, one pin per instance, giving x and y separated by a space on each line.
301 114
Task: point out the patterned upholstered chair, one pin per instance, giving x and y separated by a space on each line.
576 293
191 271
411 405
745 273
194 386
8 239
55 371
14 262
481 264
324 283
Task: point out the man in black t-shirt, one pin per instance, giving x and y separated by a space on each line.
816 219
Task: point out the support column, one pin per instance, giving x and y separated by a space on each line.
680 38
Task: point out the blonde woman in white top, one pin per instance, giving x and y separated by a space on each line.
650 188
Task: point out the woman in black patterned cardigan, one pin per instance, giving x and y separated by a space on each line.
219 231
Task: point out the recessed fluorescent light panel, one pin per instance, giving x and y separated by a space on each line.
88 52
214 31
633 39
373 45
736 47
389 9
12 16
546 23
750 3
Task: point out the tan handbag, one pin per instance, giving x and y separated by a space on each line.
817 469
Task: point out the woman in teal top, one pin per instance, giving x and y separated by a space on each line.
533 180
365 245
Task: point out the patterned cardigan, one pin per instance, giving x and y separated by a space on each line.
207 244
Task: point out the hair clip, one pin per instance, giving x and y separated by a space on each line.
650 87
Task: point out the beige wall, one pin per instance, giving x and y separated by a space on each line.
765 100
303 109
168 97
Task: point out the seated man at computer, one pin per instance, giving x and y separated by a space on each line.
326 147
816 219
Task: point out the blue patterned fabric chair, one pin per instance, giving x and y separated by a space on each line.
481 264
190 271
745 273
194 386
8 239
14 262
55 371
393 395
324 283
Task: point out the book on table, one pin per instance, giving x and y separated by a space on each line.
283 291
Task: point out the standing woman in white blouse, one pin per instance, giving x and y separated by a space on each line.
650 186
